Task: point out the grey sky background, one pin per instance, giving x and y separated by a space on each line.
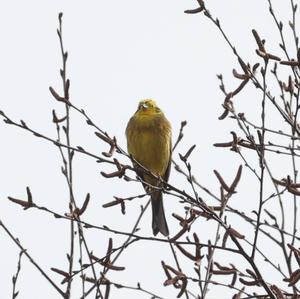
119 52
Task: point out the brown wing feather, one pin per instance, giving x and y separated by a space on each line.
168 170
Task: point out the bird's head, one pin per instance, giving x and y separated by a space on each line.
148 107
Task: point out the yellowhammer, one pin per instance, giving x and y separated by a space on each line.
149 142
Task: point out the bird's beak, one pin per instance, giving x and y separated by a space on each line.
144 106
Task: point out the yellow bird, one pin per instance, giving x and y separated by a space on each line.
149 142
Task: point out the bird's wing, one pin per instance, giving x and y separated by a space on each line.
141 174
168 170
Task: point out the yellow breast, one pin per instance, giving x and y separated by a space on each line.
149 141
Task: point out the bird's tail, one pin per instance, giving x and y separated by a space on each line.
159 223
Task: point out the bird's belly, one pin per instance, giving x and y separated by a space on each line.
152 150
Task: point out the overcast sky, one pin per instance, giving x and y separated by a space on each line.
119 52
